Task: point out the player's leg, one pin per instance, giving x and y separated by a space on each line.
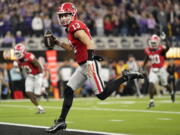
153 79
29 84
38 80
101 91
164 81
44 87
76 81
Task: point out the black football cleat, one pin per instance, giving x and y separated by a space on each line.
151 105
58 125
173 97
132 75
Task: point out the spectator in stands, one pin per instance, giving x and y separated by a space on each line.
37 25
162 15
1 25
19 38
123 26
151 24
15 19
115 22
47 22
176 28
18 16
99 25
108 26
133 28
28 27
91 24
8 40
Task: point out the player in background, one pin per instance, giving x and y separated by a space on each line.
81 43
133 66
171 69
155 52
28 63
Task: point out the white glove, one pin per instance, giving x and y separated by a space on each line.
163 36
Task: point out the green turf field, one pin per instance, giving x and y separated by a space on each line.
126 115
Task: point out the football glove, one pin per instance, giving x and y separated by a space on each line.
163 36
49 40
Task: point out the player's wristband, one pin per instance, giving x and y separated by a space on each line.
90 54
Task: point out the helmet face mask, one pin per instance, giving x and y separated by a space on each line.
154 41
65 19
153 44
66 13
19 51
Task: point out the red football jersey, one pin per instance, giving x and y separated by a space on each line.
156 57
26 65
80 49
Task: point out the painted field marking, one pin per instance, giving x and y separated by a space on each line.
116 120
134 102
70 122
74 130
164 119
95 109
117 102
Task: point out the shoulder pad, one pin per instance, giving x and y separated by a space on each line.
29 56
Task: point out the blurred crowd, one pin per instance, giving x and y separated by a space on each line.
103 17
12 81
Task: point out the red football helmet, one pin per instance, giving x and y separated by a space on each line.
66 13
19 51
154 41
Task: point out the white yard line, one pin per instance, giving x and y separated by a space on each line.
134 102
164 118
75 130
116 120
95 109
129 98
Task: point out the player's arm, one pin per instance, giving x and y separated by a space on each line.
146 59
37 64
167 43
65 45
84 38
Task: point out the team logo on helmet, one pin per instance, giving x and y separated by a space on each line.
19 51
66 13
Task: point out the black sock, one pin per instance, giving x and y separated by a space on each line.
68 99
111 86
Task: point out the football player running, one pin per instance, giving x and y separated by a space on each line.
155 52
28 63
81 43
